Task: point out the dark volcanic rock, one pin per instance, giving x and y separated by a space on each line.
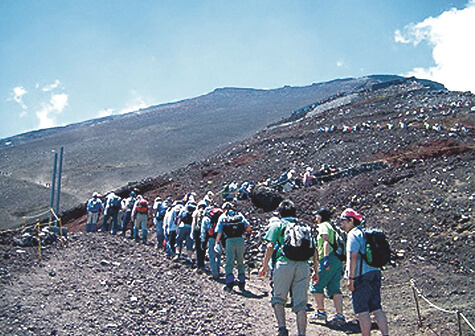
265 198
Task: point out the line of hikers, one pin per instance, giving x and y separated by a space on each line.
292 251
184 223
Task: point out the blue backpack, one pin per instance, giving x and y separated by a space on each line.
94 205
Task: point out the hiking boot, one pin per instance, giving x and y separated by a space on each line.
338 320
282 331
228 288
242 286
320 315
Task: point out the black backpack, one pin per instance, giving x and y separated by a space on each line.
234 226
298 241
187 215
115 202
339 243
377 250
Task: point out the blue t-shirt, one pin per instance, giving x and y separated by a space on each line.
356 243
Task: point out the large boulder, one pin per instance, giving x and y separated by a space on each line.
265 198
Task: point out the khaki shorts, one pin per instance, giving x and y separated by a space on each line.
295 276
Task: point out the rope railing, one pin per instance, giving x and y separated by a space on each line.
53 220
37 215
37 221
418 294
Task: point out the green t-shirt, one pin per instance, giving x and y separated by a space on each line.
324 228
275 234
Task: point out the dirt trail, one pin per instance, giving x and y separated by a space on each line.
108 285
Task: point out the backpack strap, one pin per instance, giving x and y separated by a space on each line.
359 252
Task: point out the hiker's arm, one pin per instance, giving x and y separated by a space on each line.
326 245
246 223
315 267
267 256
326 251
218 237
352 270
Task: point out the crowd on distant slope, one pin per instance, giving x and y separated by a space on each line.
190 229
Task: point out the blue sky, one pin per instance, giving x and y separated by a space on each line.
65 61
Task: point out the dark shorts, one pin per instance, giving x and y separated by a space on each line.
367 294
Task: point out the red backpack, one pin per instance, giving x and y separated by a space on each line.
214 216
142 206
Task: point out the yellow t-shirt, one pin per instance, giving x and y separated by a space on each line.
324 228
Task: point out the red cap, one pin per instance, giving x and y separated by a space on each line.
351 213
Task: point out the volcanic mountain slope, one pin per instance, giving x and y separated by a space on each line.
423 199
421 195
104 154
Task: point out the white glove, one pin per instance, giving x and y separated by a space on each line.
218 249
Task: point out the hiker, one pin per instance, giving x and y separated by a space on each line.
111 211
290 273
140 218
94 208
364 281
189 197
308 178
127 206
208 237
231 226
208 199
244 192
285 182
227 193
160 207
185 219
330 269
198 216
170 227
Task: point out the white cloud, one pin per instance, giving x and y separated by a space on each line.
399 38
339 64
59 101
136 103
18 93
451 37
51 87
47 115
105 113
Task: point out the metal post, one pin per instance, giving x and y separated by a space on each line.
53 180
459 323
60 171
39 240
419 323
